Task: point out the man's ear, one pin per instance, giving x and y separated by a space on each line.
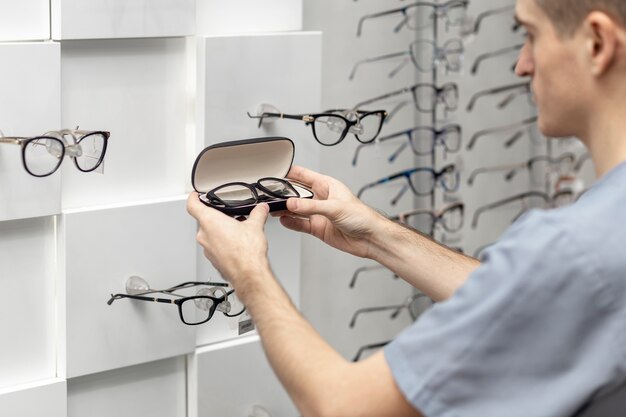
602 41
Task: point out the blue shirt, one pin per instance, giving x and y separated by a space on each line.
539 329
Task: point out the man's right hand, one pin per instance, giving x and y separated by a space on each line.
334 215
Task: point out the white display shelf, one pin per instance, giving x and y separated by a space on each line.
230 378
25 20
105 19
27 266
156 389
30 83
99 250
43 398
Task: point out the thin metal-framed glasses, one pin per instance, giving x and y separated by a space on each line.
449 217
425 55
193 310
332 126
422 140
237 194
42 155
452 12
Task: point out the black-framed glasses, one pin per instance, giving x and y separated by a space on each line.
418 16
415 304
449 217
193 310
332 126
42 155
422 140
237 194
494 54
425 96
422 181
564 164
519 129
514 90
425 55
528 200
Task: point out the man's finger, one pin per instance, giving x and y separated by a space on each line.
304 175
303 206
295 224
259 214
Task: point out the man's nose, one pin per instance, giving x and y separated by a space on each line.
524 66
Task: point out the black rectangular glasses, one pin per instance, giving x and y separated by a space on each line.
193 310
237 194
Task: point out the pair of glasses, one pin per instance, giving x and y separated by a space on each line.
425 55
529 200
332 126
514 90
425 96
237 194
518 128
422 181
422 141
42 155
564 165
449 217
193 310
420 15
416 304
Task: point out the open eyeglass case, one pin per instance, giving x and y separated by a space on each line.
245 161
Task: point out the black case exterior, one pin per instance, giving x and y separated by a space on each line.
277 205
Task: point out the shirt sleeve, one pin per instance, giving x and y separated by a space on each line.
529 334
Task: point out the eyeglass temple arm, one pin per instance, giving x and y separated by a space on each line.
279 115
505 201
139 297
384 96
363 269
484 170
376 59
12 140
482 16
482 57
362 20
195 283
369 347
486 132
494 91
371 310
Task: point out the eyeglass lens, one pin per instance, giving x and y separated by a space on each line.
92 148
42 156
239 194
329 130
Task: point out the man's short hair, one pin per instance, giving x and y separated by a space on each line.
567 15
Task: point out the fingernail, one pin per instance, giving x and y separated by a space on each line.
293 202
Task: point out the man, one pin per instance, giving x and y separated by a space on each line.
537 329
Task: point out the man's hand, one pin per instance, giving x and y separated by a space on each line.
237 249
335 215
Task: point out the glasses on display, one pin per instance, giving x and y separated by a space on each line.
366 348
416 304
422 140
528 200
425 96
472 26
332 126
237 194
514 90
449 217
42 155
519 128
494 54
425 56
420 15
422 181
362 269
193 310
560 166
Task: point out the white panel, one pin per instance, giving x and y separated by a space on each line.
27 351
235 75
136 90
30 83
103 19
102 249
156 389
44 398
246 16
234 377
24 20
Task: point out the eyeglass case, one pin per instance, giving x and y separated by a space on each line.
246 161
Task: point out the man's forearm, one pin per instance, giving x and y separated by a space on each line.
432 268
